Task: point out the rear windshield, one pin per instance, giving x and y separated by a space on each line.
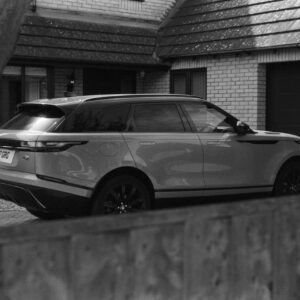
35 118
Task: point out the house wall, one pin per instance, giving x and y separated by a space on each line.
154 10
147 82
237 82
61 76
153 82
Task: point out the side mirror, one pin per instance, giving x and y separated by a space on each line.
242 128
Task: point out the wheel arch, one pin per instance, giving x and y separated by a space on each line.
125 171
286 162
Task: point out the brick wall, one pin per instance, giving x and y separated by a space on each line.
237 82
154 10
153 82
61 76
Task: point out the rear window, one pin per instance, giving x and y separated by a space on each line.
35 118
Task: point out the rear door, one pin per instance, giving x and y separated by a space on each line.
163 147
88 145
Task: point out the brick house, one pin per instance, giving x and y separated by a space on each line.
241 54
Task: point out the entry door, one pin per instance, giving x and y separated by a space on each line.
103 81
283 97
11 96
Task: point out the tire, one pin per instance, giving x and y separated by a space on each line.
288 180
43 215
122 194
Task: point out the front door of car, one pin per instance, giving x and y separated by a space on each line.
231 161
167 151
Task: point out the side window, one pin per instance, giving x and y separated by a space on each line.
97 117
206 118
156 118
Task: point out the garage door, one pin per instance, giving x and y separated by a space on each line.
283 97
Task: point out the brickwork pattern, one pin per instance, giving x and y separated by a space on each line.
237 82
153 82
154 10
61 81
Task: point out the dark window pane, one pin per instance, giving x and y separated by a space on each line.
192 82
157 118
198 84
97 117
179 81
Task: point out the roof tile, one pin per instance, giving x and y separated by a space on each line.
204 27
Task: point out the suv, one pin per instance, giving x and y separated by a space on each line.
117 153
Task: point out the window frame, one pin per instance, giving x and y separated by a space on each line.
22 77
188 77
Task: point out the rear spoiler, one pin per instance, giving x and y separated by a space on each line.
47 108
63 109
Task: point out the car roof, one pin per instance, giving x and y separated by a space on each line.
66 101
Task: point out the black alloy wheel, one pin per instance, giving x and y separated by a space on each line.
288 180
122 194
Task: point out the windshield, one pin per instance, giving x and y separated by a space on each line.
35 118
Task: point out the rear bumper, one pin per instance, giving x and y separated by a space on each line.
33 193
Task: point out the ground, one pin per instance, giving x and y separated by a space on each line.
13 214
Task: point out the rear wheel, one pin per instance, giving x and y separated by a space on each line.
288 180
122 194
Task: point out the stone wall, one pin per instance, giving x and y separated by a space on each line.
238 250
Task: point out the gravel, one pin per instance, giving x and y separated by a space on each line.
9 206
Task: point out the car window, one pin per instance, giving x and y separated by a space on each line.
152 117
207 118
35 118
97 117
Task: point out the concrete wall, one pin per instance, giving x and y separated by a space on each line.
237 82
238 251
154 10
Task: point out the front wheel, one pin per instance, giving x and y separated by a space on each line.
122 194
288 180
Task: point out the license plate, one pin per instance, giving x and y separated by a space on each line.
6 155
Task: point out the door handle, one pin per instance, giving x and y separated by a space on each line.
213 143
147 143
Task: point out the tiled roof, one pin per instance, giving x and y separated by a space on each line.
67 40
216 26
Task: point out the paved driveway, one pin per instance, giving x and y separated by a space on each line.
12 214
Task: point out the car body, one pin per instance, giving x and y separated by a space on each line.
65 156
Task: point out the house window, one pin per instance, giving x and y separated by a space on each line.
19 84
191 82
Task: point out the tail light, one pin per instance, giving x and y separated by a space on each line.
49 146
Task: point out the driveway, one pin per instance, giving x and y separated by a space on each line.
11 214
